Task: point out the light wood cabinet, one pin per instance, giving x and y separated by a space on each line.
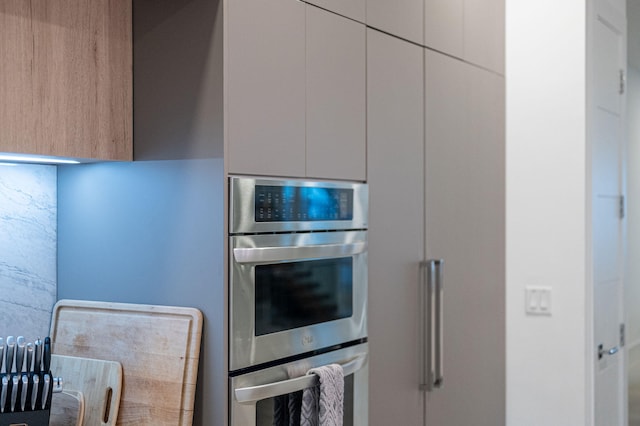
437 194
66 78
266 87
336 96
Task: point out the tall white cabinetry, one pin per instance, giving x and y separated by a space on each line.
402 18
465 226
336 105
352 9
395 156
266 87
296 100
436 174
472 30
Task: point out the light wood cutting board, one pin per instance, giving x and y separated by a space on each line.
99 381
158 347
67 409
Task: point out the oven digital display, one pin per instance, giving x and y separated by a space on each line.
298 294
302 203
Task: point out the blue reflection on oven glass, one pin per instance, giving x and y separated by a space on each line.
318 203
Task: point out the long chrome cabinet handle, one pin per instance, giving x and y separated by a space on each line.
425 328
282 254
252 394
432 274
439 299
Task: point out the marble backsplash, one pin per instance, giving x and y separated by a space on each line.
28 243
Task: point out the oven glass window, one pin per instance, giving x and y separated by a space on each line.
283 410
298 294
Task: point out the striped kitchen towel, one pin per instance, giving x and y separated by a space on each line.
323 405
286 409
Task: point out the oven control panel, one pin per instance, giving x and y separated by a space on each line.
302 203
259 205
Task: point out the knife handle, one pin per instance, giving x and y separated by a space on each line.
45 390
3 394
20 347
14 392
23 392
2 367
9 354
37 355
11 359
34 391
46 354
29 366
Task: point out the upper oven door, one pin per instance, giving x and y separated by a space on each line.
295 293
286 205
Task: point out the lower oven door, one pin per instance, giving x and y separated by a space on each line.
253 396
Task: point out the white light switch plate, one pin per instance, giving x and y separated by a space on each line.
537 300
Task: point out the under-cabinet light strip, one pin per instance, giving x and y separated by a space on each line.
36 159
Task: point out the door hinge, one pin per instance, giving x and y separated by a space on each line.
622 338
621 207
623 82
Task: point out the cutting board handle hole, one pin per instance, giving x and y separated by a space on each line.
107 405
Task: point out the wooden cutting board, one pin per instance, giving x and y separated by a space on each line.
67 409
99 381
158 347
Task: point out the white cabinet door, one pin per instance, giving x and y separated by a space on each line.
266 87
484 26
395 110
472 30
354 9
444 26
402 18
465 213
336 102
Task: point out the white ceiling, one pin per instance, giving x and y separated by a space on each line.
633 40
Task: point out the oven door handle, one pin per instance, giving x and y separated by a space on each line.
252 394
256 255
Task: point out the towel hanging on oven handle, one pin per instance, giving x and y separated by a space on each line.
252 394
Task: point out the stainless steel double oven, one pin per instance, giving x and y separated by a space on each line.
298 292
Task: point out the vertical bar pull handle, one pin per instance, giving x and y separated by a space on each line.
431 298
438 338
425 327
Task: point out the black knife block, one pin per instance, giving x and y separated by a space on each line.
29 417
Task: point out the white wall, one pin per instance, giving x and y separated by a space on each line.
546 211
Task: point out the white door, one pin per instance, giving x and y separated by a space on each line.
607 136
